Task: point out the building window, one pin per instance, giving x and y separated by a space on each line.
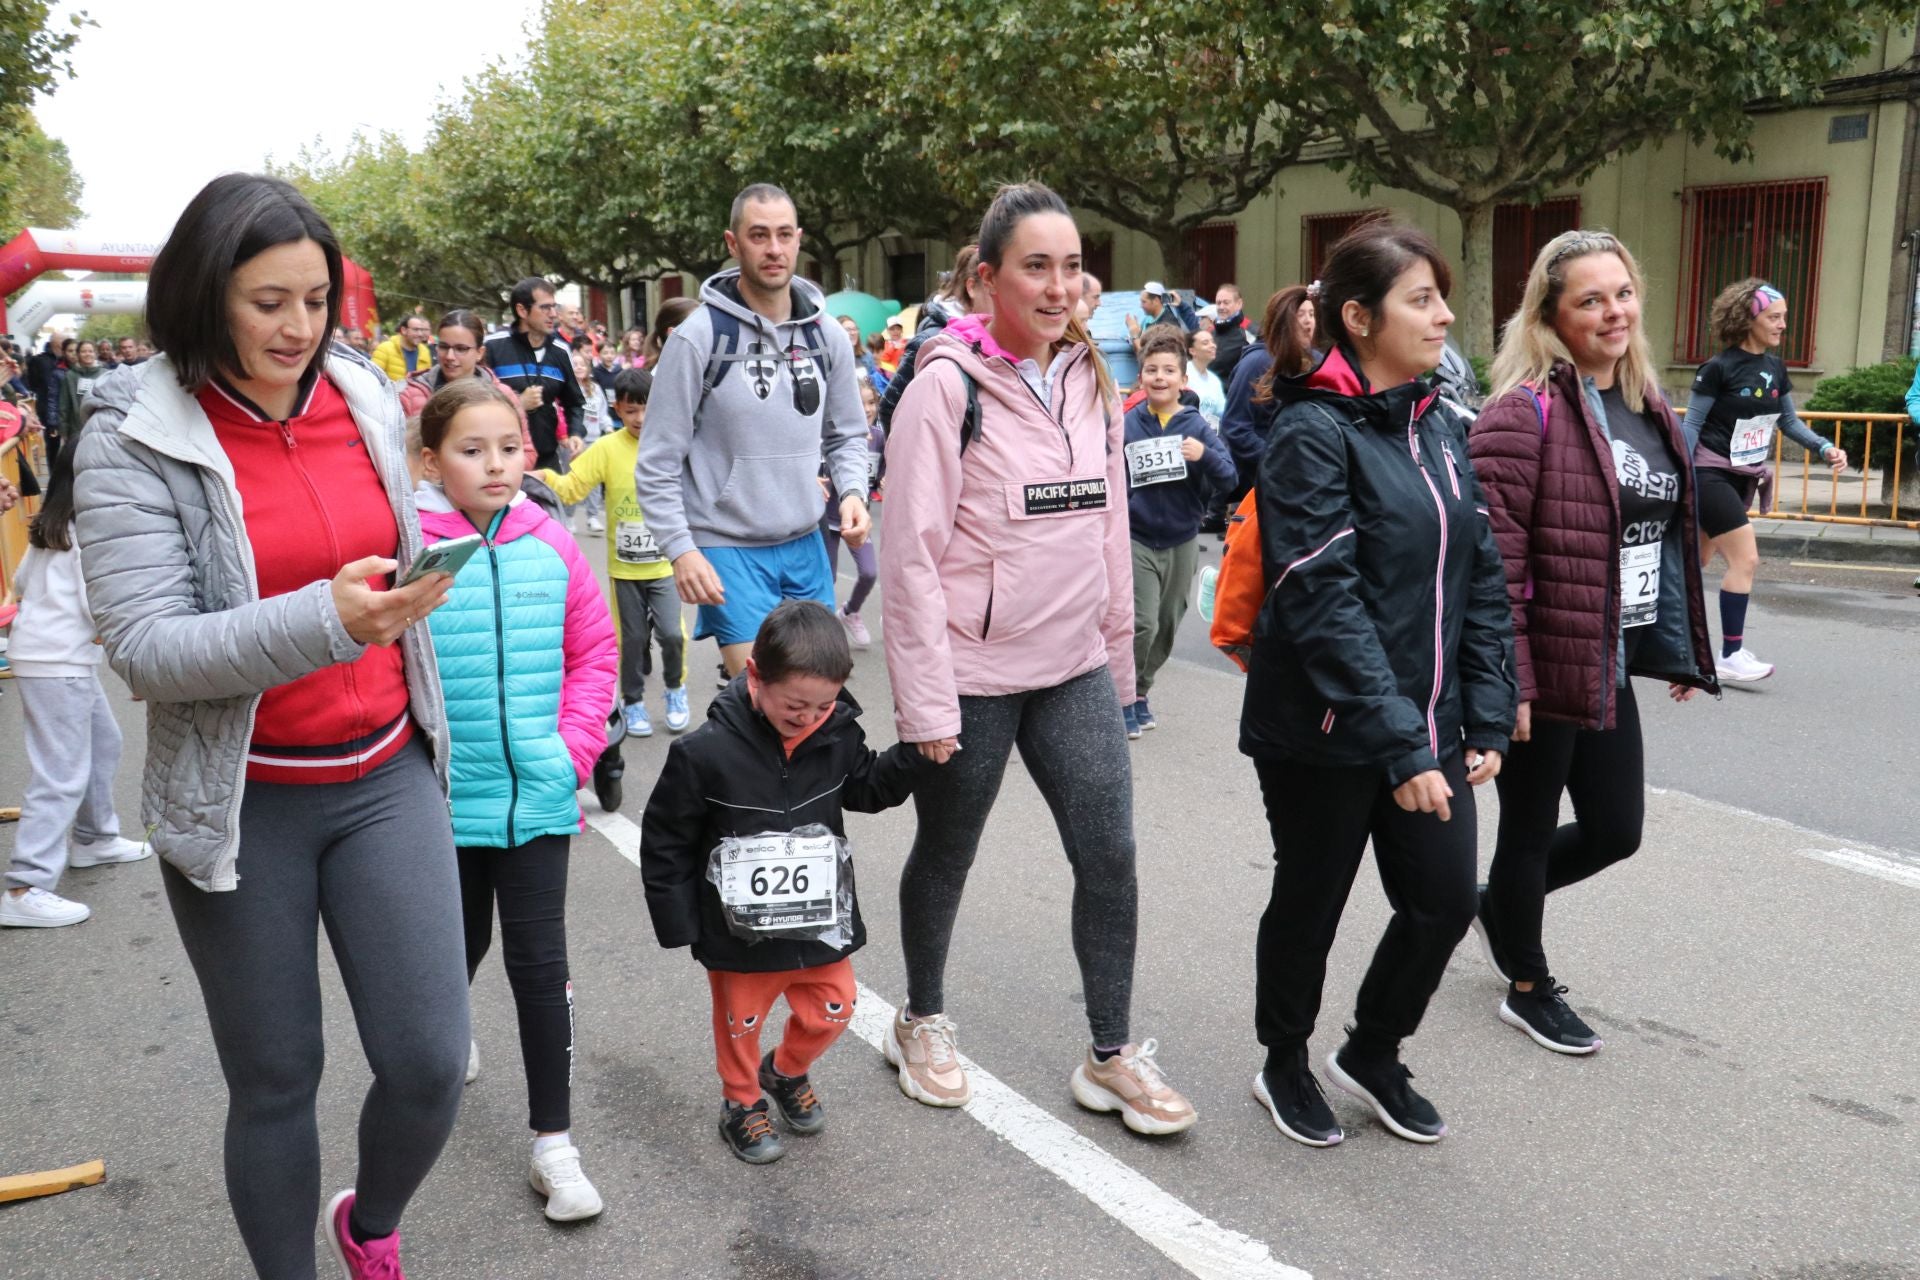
1850 128
1771 230
1519 231
1215 248
1096 256
907 277
670 285
1319 232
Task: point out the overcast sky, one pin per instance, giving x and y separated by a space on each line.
170 93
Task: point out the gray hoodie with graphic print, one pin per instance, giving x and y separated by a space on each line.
730 458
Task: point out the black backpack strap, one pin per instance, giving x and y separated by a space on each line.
969 420
725 351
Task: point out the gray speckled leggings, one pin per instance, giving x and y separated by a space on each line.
373 861
1074 744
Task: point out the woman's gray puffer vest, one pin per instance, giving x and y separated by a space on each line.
170 577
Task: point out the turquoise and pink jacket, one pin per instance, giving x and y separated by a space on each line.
528 660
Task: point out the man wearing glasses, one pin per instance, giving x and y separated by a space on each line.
539 368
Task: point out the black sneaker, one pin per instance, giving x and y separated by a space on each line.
1489 946
1298 1107
1542 1014
748 1132
1384 1086
794 1098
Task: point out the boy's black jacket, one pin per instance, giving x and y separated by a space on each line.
730 777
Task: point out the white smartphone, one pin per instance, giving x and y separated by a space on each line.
444 557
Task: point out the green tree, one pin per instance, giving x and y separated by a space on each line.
778 93
34 49
1159 115
1472 103
393 215
101 328
38 187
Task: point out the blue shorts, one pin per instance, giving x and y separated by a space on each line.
756 579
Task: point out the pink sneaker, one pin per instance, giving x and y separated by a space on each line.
374 1260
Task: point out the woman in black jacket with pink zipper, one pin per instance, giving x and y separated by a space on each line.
1380 689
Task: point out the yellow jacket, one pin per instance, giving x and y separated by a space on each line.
392 361
607 463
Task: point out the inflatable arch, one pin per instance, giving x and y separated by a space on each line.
36 251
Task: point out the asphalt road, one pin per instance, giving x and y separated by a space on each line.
1751 968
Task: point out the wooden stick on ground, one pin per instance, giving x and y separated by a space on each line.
26 1186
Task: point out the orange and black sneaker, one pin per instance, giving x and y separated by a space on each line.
794 1098
749 1133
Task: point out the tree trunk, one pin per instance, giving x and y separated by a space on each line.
1473 326
1176 259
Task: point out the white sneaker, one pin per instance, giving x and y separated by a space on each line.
556 1174
596 525
38 909
473 1061
1741 667
101 852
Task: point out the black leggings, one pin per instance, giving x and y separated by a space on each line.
530 885
1605 773
1074 743
1321 818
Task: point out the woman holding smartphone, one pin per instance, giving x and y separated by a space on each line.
244 505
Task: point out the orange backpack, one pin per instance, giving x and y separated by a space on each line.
1241 586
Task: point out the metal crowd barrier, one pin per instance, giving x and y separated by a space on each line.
13 524
1847 431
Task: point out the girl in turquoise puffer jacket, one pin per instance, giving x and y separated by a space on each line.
528 661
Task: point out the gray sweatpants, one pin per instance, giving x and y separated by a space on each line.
1074 744
373 861
1161 581
648 610
73 749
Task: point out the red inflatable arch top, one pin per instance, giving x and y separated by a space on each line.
35 251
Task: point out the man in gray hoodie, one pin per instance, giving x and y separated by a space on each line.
748 393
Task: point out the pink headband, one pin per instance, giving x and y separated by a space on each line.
1765 296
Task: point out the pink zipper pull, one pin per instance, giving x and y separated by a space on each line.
286 435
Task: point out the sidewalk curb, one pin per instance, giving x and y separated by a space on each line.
1857 545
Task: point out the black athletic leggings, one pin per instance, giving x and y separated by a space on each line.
530 884
1321 819
1605 773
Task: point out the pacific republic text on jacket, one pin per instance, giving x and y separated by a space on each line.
1006 567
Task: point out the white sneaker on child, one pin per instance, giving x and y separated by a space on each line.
100 852
39 909
556 1174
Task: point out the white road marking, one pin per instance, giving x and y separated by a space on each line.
1201 1246
1882 864
1867 864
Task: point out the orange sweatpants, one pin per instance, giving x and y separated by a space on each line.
819 1004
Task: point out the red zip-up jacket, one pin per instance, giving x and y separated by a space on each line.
313 504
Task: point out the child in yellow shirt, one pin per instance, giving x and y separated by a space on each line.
646 600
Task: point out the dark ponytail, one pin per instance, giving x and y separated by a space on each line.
52 528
